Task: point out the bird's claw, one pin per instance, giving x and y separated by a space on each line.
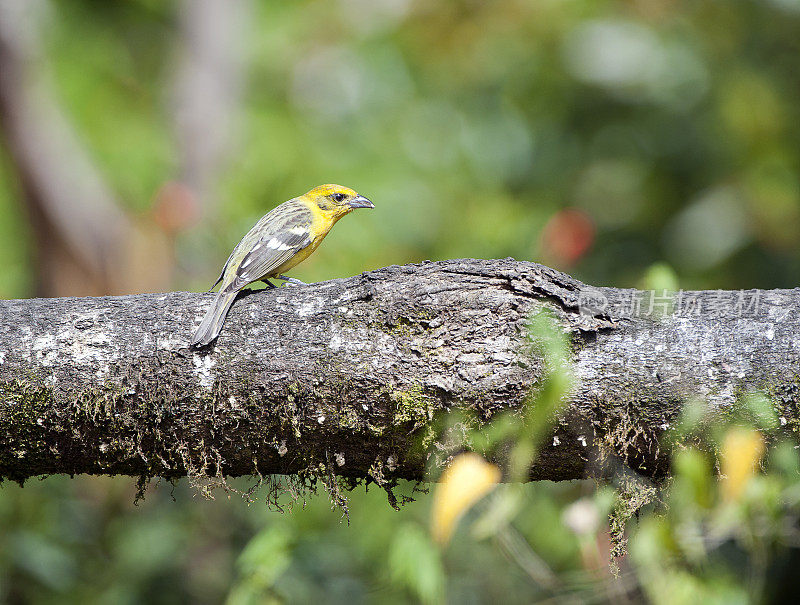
291 281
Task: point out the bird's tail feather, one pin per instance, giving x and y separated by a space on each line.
214 318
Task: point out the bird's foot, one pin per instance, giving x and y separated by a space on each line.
291 280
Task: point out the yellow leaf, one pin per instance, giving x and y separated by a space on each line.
741 452
468 478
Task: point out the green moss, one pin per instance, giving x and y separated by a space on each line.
402 328
24 406
125 427
427 438
785 398
632 495
406 325
411 405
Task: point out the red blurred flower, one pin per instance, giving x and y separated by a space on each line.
566 237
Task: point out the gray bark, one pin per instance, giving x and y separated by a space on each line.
345 376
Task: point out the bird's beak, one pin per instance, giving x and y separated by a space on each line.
360 202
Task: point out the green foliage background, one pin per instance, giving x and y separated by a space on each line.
672 126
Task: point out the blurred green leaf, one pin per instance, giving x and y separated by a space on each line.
266 557
415 564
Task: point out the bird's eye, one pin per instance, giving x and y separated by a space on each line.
338 197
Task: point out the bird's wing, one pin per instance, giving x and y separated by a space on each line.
276 238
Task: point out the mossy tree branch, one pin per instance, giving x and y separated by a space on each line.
345 376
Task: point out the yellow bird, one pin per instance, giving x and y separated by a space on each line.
284 237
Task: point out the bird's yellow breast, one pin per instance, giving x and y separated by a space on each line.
321 225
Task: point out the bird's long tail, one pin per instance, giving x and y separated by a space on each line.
214 318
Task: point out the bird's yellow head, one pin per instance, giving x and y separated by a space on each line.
335 201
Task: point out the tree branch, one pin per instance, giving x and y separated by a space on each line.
346 375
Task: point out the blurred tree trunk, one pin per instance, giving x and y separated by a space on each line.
207 94
77 225
85 242
346 376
